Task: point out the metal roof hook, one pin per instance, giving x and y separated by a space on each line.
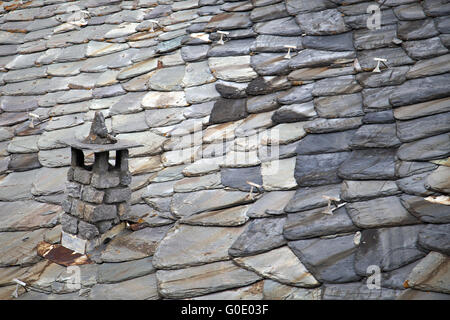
377 68
288 54
222 33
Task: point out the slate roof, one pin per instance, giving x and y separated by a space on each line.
214 117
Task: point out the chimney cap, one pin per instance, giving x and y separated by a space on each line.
99 139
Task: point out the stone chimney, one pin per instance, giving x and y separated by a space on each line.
98 194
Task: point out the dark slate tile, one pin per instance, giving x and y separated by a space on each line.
296 6
294 113
417 29
271 43
357 291
312 197
335 86
413 11
361 190
270 12
375 136
279 27
229 21
260 235
231 48
234 34
426 211
318 58
322 23
395 279
366 39
23 162
332 125
263 103
360 21
436 237
369 164
388 77
436 8
265 85
415 185
231 90
326 142
424 49
395 56
388 248
380 212
435 147
270 64
329 260
237 177
297 94
226 110
375 99
386 116
339 42
316 223
409 168
341 106
320 169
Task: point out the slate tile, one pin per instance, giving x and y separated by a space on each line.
287 269
311 197
349 105
229 21
322 22
426 211
297 94
353 190
199 245
389 77
316 223
320 169
369 164
220 276
357 291
339 42
434 147
317 58
337 85
294 112
235 68
435 237
388 248
375 136
332 125
424 127
429 67
325 142
237 178
417 29
231 48
279 27
272 43
373 39
260 235
381 212
267 64
329 260
395 56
